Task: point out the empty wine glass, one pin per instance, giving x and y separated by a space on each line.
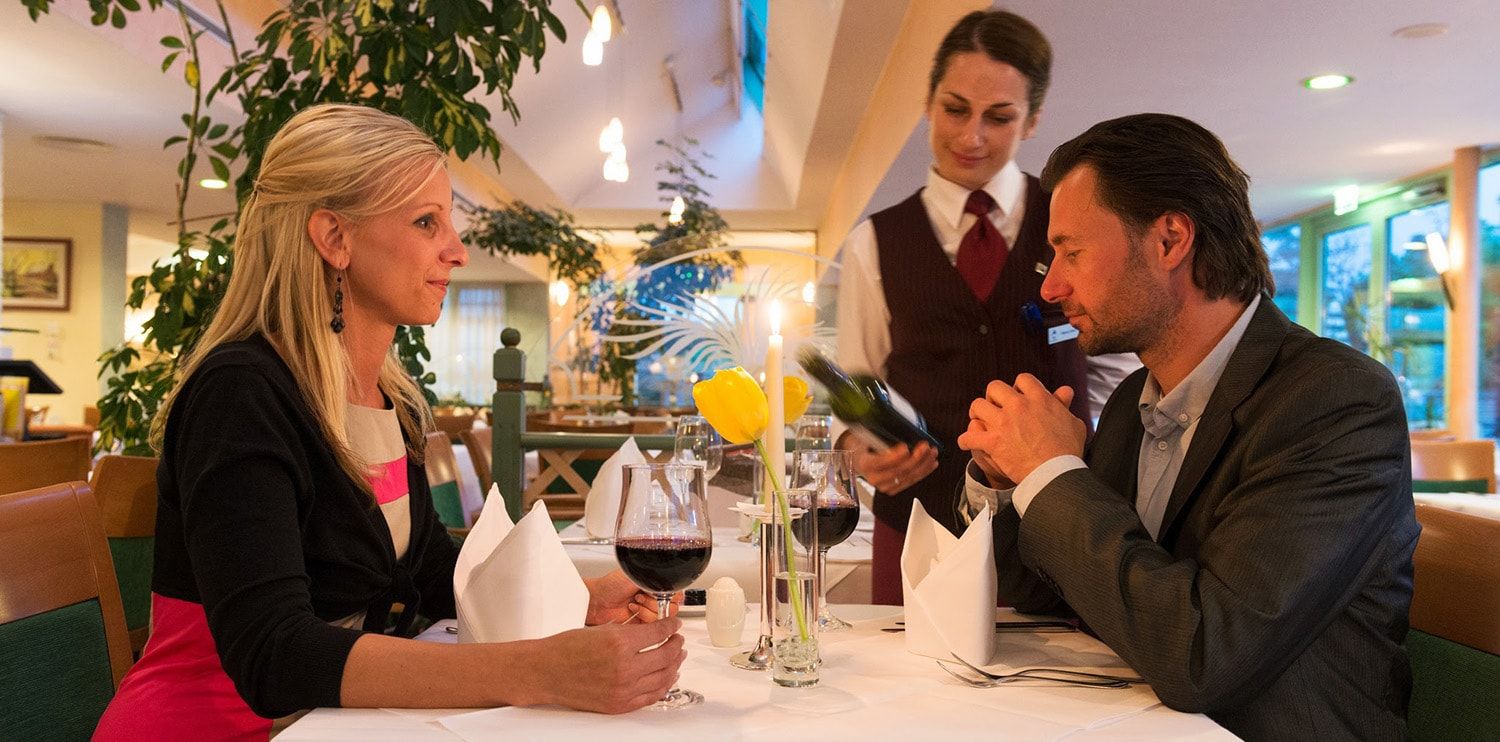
829 476
663 540
813 432
695 442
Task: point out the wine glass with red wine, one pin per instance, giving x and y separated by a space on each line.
828 475
662 538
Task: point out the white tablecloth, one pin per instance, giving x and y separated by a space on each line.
871 689
848 563
1484 505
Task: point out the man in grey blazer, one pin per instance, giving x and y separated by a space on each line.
1241 527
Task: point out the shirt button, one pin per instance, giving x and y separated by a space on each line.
984 329
1161 445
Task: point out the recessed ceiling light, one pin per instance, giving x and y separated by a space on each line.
213 184
76 144
1326 82
1421 31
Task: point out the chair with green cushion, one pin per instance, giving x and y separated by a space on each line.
442 479
1453 466
1454 641
63 643
125 487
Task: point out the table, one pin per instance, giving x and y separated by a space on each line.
872 688
849 571
1484 505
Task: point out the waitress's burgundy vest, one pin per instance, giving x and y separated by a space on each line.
946 346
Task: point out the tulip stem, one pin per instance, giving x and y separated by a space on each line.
786 539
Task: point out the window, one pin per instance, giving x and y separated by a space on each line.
1416 314
1489 307
1284 249
464 340
1346 285
753 65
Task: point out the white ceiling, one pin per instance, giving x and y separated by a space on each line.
1233 66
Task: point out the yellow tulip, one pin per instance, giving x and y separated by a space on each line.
734 404
795 398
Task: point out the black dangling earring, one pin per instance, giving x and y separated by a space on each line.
337 324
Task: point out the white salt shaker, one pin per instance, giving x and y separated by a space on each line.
726 612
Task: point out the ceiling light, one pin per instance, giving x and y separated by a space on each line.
76 144
612 136
678 207
559 291
599 25
1327 82
1345 199
213 184
1437 252
593 50
809 292
1421 31
615 167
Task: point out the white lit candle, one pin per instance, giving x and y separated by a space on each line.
775 396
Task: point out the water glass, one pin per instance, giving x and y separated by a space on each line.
695 442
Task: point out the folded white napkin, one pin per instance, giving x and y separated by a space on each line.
603 504
515 581
949 587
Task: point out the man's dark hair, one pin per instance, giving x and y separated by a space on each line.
1004 37
1152 163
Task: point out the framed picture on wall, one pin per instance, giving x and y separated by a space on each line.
38 273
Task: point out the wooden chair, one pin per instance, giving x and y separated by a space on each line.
31 464
125 487
480 444
1433 434
1453 466
556 464
63 643
1454 641
442 478
452 423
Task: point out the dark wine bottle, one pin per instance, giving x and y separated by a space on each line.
861 401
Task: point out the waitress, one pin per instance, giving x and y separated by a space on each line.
940 294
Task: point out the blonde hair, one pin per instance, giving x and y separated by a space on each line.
357 162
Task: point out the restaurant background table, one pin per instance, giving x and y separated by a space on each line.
872 688
848 563
1486 505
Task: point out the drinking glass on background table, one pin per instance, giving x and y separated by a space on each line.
696 442
813 432
662 538
829 475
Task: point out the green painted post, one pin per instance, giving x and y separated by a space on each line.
509 419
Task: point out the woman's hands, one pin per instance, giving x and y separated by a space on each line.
610 669
613 598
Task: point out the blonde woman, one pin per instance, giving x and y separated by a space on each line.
293 508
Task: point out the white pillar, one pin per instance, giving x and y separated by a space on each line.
1462 335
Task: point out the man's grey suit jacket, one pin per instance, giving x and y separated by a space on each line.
1276 599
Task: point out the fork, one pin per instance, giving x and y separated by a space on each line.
1082 678
988 683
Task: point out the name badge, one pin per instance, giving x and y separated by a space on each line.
1061 333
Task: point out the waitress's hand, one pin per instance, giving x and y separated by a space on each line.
893 469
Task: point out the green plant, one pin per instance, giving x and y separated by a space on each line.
520 229
426 61
700 228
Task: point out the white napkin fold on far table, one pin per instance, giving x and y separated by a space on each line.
602 507
514 581
949 587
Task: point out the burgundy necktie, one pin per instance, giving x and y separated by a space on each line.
982 252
